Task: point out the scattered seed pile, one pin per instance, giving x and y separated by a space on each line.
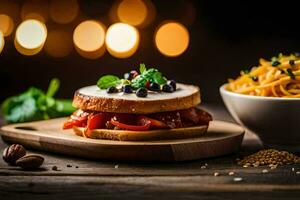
270 157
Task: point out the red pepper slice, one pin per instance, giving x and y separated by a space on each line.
78 118
70 123
155 124
120 125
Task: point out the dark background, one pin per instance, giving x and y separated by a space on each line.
226 36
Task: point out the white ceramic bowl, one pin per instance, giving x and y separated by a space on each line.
275 120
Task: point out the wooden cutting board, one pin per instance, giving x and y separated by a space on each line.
221 138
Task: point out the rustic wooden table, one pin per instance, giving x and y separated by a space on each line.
79 178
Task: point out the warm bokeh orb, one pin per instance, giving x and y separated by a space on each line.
59 43
6 24
63 11
133 12
30 37
122 40
172 39
1 41
89 37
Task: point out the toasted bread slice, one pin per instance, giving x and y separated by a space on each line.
123 135
92 98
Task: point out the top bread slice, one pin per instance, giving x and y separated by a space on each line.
94 99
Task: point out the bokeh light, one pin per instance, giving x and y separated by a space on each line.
63 11
122 40
139 13
30 37
6 24
89 38
172 39
133 12
35 9
1 41
59 43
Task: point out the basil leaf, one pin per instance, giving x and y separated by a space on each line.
142 68
107 81
159 79
152 75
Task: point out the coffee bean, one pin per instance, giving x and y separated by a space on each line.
13 153
30 162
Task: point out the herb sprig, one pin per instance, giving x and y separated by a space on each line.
151 74
35 104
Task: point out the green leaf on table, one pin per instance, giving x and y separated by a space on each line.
53 87
34 104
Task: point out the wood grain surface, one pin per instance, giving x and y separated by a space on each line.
89 179
221 138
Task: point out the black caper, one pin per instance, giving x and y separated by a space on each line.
254 78
292 62
141 92
154 87
275 63
173 84
167 88
112 89
127 89
291 74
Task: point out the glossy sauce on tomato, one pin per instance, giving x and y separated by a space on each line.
164 120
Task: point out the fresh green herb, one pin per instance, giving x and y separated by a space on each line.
142 68
35 104
275 63
152 75
246 71
291 74
107 81
274 59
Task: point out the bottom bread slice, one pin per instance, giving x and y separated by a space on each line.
123 135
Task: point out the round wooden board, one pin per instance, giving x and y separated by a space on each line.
221 138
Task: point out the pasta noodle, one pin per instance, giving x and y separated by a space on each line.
279 77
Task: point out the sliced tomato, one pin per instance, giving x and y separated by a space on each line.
96 121
123 126
154 124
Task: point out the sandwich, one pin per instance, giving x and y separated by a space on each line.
142 106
